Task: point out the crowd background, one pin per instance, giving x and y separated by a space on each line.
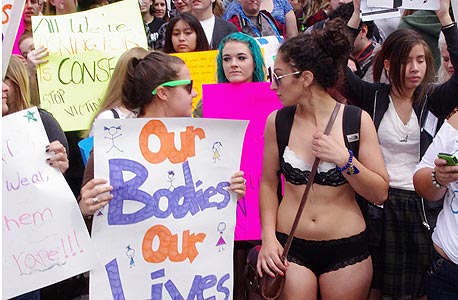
371 70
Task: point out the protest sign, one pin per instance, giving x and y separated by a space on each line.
376 13
253 102
202 66
83 50
11 18
269 46
168 231
44 237
406 4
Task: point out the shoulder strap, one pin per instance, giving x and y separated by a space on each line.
115 113
309 185
283 123
351 127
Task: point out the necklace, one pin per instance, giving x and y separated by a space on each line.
402 131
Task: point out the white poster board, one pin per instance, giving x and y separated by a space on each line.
44 237
406 4
168 231
269 46
11 18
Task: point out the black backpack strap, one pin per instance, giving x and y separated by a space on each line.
351 127
115 113
351 130
283 124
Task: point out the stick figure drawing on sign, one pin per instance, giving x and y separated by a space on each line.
113 133
216 148
221 242
130 253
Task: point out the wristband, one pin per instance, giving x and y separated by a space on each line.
449 25
434 180
352 169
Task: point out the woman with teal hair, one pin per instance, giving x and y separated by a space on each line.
234 51
239 60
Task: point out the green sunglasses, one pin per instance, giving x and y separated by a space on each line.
175 83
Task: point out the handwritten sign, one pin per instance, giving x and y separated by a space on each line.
83 50
269 46
239 101
406 4
202 66
375 13
11 18
168 231
44 238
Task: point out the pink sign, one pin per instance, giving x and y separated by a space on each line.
253 102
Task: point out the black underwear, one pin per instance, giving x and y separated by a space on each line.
326 256
297 176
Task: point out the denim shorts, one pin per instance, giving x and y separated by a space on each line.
442 281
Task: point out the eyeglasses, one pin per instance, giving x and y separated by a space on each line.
276 78
175 83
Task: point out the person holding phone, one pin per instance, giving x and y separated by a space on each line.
435 178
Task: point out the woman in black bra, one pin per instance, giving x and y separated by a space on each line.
329 254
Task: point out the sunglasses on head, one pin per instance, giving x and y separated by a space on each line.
175 83
275 78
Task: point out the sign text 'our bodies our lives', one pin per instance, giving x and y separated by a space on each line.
186 200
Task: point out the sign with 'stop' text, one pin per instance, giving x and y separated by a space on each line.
44 237
83 50
168 232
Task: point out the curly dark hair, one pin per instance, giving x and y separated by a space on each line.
323 52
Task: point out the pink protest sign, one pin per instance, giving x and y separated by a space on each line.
253 102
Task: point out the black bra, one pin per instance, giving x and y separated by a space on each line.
296 176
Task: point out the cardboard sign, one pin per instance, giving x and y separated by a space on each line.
44 237
83 50
168 232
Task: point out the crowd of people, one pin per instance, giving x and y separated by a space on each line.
393 116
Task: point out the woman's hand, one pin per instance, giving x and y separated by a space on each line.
443 14
94 195
269 259
326 148
445 174
238 184
59 159
35 58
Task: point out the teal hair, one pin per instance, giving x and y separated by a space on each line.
259 73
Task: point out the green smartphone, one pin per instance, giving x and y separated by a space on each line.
451 159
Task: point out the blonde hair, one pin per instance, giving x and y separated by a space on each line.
17 73
311 7
442 74
113 94
218 9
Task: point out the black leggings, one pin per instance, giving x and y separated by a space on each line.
326 256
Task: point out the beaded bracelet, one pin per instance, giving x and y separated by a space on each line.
352 169
434 180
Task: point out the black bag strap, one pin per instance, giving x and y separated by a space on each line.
309 185
115 113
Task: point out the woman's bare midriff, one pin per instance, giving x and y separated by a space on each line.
329 213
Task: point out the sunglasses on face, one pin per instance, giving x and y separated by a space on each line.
186 82
275 78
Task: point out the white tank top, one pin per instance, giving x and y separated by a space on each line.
400 144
